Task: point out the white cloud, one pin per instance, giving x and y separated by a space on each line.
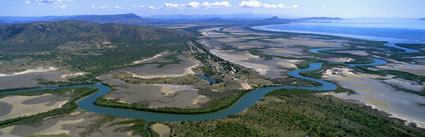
152 7
251 4
27 2
274 6
93 6
194 4
257 4
173 5
221 4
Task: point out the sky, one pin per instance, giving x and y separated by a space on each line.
281 8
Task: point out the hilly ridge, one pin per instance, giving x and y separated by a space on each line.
50 35
116 18
83 46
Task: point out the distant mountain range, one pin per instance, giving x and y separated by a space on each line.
164 19
422 19
118 18
203 17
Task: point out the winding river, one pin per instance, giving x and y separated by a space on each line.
243 103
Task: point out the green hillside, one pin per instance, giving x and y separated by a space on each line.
83 46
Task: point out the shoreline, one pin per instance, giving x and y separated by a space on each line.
390 42
406 121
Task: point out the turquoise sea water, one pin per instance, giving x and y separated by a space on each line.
390 30
397 30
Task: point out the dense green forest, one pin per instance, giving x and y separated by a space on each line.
298 113
83 46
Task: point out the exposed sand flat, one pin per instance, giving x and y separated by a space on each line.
418 57
29 105
154 95
241 39
161 129
292 52
354 52
31 77
245 85
201 99
250 34
72 125
182 98
112 131
376 93
30 71
406 84
272 68
340 59
241 58
249 44
171 90
172 70
283 42
65 76
211 32
405 67
234 30
149 59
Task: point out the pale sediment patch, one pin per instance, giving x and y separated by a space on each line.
340 60
30 78
161 129
153 95
58 127
201 99
406 84
113 131
172 70
272 68
65 76
377 103
241 39
72 125
405 67
39 70
354 52
48 102
368 91
245 85
284 42
291 52
181 99
149 59
372 91
288 64
241 59
171 90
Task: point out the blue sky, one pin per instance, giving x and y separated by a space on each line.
281 8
